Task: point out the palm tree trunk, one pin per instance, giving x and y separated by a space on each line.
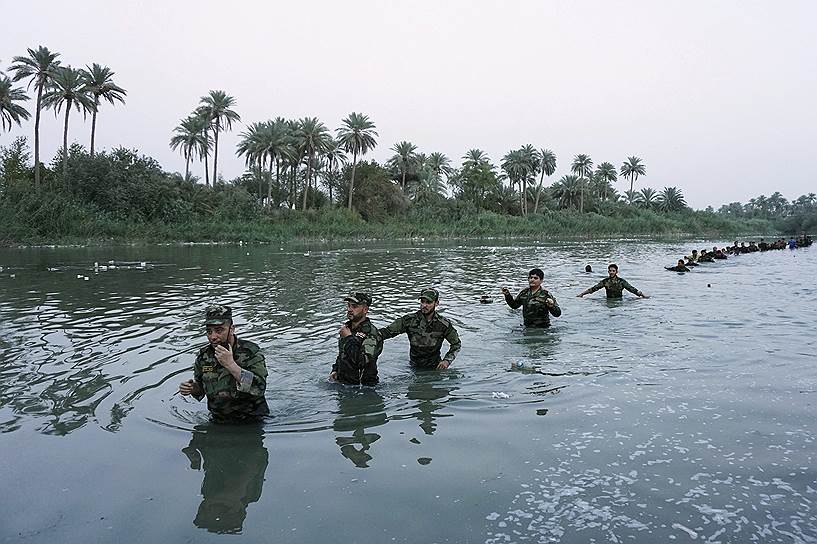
277 183
206 154
215 157
352 182
308 178
631 189
187 166
93 125
581 196
403 184
37 137
538 192
260 166
65 144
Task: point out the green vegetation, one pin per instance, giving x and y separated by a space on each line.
299 163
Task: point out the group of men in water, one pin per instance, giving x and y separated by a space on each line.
232 373
685 264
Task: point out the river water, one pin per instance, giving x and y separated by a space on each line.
686 416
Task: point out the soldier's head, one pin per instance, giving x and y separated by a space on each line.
357 306
694 252
218 321
535 277
680 262
429 300
612 269
588 268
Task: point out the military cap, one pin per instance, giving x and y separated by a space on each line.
430 295
217 314
359 298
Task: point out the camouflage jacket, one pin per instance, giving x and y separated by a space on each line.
358 353
677 268
614 287
228 399
535 312
426 338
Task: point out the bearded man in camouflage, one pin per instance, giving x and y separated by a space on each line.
537 303
613 285
230 372
359 346
426 331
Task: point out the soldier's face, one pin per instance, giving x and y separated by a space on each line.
534 281
219 334
355 312
426 307
612 272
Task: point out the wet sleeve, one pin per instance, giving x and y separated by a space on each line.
397 328
514 302
253 378
555 311
372 346
454 344
353 352
596 287
629 287
198 379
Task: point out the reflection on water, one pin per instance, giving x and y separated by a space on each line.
234 461
359 409
672 401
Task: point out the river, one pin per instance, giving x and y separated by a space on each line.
686 416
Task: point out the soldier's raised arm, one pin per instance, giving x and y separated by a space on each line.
396 328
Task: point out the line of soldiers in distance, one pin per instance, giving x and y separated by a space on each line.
691 261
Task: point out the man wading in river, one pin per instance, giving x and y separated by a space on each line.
230 372
537 303
359 346
613 285
426 330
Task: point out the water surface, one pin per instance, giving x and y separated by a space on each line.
686 416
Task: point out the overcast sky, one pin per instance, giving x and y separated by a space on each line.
718 98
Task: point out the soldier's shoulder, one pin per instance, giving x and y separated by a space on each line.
249 346
445 321
202 351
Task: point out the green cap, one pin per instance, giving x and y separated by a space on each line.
359 298
430 295
217 315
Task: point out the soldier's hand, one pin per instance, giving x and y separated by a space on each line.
345 331
550 302
187 388
333 376
505 291
443 365
224 356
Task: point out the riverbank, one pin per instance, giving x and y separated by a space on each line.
339 224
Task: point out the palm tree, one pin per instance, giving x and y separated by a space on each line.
547 167
583 166
251 147
567 191
189 137
312 138
474 157
670 199
531 159
275 140
606 173
334 155
357 135
68 89
647 198
99 80
439 164
39 66
517 166
9 111
216 106
404 159
631 169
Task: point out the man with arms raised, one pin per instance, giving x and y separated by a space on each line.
537 303
426 330
359 346
613 285
230 372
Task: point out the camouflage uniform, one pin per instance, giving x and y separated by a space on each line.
677 268
535 311
228 399
426 338
614 287
358 353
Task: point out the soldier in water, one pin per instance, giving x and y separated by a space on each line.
230 372
613 285
537 303
426 330
680 267
359 346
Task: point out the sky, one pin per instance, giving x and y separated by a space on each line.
718 98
